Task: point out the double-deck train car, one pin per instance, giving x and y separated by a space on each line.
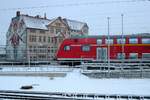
100 48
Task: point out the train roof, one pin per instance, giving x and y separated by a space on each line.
144 35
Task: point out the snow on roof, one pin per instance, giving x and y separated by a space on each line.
41 23
38 23
75 25
75 82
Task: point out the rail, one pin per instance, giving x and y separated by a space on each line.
32 95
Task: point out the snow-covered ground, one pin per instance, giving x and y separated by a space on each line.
75 82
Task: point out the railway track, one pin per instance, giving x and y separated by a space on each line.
4 94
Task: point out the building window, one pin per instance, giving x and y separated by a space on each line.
32 38
121 56
86 48
121 41
99 41
133 40
52 39
51 30
146 40
58 24
40 38
42 31
30 48
35 49
145 55
133 55
58 31
67 48
49 39
44 38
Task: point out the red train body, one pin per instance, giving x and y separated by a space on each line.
97 48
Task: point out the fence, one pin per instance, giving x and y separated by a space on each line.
116 70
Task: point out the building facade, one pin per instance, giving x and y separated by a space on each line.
33 38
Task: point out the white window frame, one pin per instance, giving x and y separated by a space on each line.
121 56
119 41
133 40
99 41
133 56
146 40
147 54
86 48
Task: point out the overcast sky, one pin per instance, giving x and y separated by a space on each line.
93 12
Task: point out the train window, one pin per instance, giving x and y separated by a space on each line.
67 48
110 41
99 41
145 55
86 48
119 41
133 55
133 40
146 40
121 55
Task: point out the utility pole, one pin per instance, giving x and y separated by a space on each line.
28 50
122 36
122 33
108 58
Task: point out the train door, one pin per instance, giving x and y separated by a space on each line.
102 54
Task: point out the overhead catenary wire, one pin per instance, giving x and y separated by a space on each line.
91 15
73 4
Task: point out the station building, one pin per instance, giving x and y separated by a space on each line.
37 38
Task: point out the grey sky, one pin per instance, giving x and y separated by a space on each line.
136 14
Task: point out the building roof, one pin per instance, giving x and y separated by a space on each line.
38 23
74 25
41 23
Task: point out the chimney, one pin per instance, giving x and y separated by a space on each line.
45 16
17 13
59 17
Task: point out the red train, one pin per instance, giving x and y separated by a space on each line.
96 48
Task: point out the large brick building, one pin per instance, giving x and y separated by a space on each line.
37 39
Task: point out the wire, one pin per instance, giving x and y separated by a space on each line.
72 4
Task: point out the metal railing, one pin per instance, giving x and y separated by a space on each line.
116 70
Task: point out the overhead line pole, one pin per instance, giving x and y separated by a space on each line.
122 33
108 18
